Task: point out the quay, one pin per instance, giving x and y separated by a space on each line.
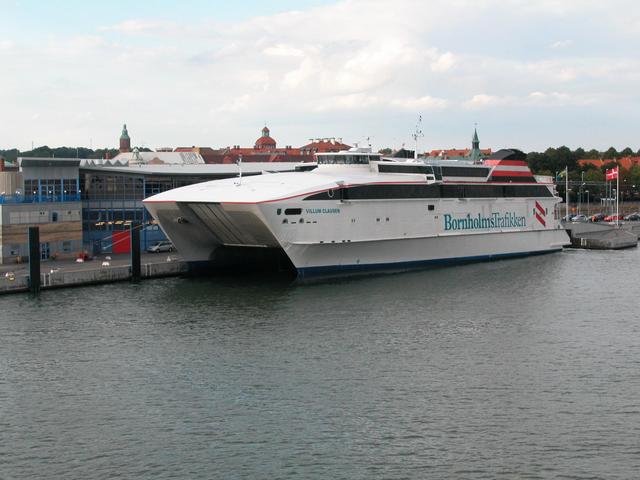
102 269
602 236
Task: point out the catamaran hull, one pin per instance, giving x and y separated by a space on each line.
226 237
406 254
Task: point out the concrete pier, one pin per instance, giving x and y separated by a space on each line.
602 236
58 274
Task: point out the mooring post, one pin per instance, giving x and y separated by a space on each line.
34 259
135 253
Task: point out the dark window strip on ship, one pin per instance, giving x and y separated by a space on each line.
388 192
424 169
439 171
464 172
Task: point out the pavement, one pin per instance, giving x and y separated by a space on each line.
73 266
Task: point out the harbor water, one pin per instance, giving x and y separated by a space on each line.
525 368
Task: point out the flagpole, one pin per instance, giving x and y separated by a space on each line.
617 195
566 193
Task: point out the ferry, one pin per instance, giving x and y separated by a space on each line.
356 211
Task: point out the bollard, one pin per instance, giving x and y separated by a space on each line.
135 253
34 259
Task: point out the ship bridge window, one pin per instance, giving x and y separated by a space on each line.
341 159
293 211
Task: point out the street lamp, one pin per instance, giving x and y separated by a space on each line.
588 204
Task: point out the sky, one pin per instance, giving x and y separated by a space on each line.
530 74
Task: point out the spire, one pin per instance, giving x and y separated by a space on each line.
475 154
265 131
125 141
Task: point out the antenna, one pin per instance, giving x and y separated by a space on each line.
239 162
417 134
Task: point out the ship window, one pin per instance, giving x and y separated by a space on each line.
464 171
432 208
279 211
293 211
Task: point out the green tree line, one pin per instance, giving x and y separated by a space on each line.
554 160
62 152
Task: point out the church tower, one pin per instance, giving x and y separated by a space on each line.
475 154
125 141
265 141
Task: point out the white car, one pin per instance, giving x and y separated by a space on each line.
164 246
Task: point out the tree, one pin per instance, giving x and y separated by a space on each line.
592 154
385 151
10 155
627 152
610 154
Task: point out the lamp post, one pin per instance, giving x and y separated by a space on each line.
588 204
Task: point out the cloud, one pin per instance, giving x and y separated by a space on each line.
347 64
561 44
482 100
141 26
281 50
443 63
533 99
420 104
235 105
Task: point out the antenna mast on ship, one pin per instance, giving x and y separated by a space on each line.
239 163
417 134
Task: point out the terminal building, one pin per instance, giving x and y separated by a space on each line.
42 192
88 206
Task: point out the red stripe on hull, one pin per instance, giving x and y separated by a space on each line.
506 163
507 173
540 219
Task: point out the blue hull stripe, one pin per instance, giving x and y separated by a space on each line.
355 268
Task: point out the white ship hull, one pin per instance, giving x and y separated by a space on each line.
405 254
348 237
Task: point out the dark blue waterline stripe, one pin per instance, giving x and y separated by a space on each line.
337 269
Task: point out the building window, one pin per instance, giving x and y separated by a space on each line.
45 251
54 216
66 246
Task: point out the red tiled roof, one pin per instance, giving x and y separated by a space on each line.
457 152
324 146
265 142
625 162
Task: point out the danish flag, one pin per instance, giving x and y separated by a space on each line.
612 174
540 214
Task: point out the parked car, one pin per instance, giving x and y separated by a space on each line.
579 218
613 218
567 218
163 246
598 217
633 217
